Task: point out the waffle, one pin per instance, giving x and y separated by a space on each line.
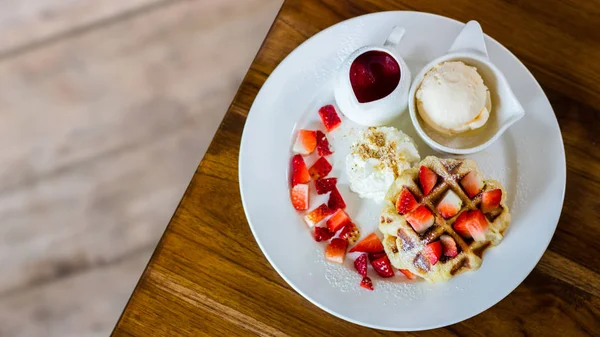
405 247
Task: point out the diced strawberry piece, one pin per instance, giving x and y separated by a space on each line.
471 224
336 250
338 220
366 283
335 200
323 234
316 215
408 274
329 117
300 197
472 183
320 169
300 173
323 148
478 225
450 204
325 185
375 256
490 200
448 245
433 251
460 225
383 266
370 244
361 264
306 142
420 219
406 202
427 179
350 233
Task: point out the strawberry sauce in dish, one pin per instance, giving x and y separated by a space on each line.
374 75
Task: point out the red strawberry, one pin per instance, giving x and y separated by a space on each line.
427 178
490 200
350 233
300 197
323 234
450 205
306 142
316 215
338 220
329 117
448 245
325 185
336 250
460 225
366 283
477 225
433 251
375 256
323 148
335 200
408 274
300 174
471 224
420 219
370 244
383 266
320 169
361 264
406 202
472 183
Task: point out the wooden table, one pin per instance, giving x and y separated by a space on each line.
208 276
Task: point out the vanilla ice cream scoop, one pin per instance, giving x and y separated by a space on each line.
452 98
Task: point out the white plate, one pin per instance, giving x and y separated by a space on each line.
528 159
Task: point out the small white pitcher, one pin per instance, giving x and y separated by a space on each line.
383 110
469 47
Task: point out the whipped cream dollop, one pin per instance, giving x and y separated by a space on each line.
377 158
452 98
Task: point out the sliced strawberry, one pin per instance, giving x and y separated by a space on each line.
370 244
300 173
329 117
408 274
448 245
420 219
361 264
478 225
323 148
427 179
325 185
406 202
490 200
336 250
472 183
433 251
383 266
366 283
338 220
335 200
460 225
320 169
375 256
350 233
300 197
323 234
316 215
450 204
306 142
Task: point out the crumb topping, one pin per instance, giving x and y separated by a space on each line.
377 146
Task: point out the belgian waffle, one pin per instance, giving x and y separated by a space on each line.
405 246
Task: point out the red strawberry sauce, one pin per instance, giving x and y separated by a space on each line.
374 75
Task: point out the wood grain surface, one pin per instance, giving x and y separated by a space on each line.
208 276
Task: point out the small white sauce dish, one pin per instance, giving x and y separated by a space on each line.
469 47
381 111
